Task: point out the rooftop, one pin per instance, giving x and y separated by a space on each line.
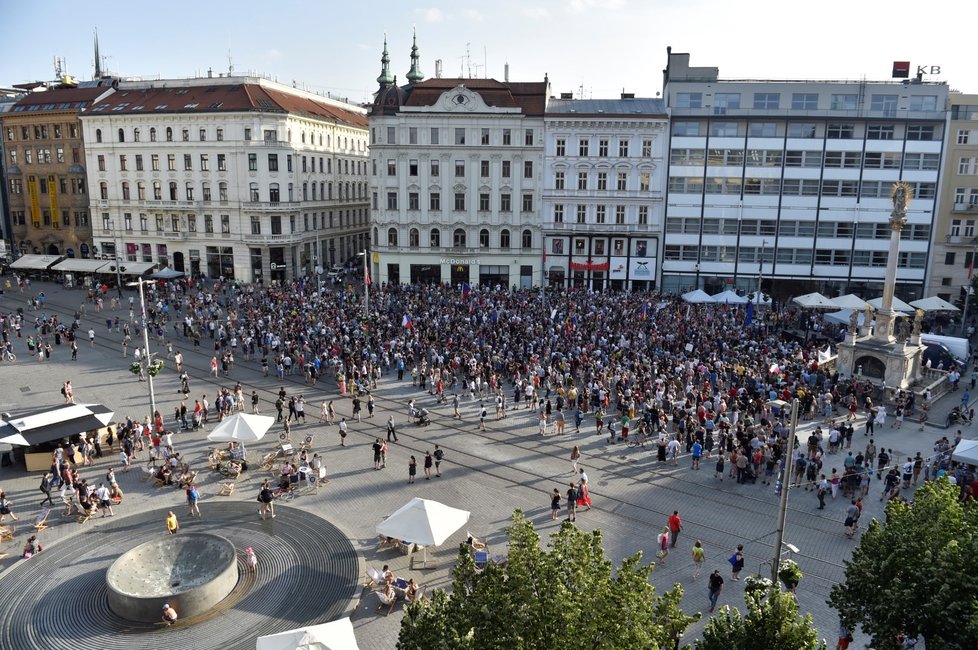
530 96
647 106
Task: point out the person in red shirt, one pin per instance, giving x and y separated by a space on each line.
675 525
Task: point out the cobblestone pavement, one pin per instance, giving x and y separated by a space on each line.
488 472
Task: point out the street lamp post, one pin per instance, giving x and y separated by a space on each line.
118 259
760 272
147 357
366 285
785 483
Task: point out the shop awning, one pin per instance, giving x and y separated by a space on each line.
135 268
34 261
34 427
80 266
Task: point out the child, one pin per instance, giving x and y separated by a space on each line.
251 560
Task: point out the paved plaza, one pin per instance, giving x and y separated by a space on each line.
489 472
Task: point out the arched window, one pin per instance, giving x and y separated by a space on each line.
98 135
414 238
527 239
141 191
484 238
504 239
253 192
173 190
135 135
152 134
122 135
222 189
273 196
458 238
169 134
157 191
190 191
103 190
125 190
435 238
392 237
303 134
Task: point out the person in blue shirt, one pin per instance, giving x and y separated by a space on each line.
697 451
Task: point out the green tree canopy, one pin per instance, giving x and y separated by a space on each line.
916 573
565 596
772 622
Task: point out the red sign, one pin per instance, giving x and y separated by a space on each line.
901 69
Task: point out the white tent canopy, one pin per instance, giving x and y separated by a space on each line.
966 451
934 303
842 316
849 301
812 301
335 635
697 296
423 522
34 261
241 427
79 265
898 304
729 297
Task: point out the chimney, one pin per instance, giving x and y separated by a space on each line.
437 68
210 73
567 95
506 73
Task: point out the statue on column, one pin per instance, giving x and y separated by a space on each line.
900 196
853 322
868 316
918 319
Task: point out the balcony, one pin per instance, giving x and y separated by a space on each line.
965 207
619 228
272 240
171 204
961 240
270 206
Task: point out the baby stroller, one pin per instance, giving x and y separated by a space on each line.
422 419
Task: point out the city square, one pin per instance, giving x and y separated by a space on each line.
489 472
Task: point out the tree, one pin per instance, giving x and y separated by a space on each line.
772 623
915 573
565 596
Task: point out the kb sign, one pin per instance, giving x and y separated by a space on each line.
901 70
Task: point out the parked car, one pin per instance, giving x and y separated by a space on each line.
938 354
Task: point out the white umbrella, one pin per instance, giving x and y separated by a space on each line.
898 304
728 297
966 451
842 316
933 304
697 296
849 301
335 635
241 427
423 522
812 301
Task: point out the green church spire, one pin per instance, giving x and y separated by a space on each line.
414 75
385 78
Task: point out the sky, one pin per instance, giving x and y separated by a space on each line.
593 48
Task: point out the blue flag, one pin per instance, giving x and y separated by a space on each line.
750 314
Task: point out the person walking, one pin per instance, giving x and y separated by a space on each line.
821 490
391 431
737 562
675 525
5 510
104 499
663 541
439 454
376 447
46 488
554 504
715 587
343 429
575 457
172 525
698 555
265 498
572 502
193 496
412 469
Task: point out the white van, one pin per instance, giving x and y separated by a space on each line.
957 346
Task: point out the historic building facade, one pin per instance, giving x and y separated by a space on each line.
233 177
605 177
456 179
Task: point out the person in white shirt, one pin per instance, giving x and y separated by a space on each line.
104 499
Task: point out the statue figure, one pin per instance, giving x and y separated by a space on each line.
904 332
853 322
869 315
900 198
918 319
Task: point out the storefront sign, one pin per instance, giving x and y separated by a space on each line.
459 260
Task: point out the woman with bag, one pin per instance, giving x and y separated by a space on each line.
663 541
5 507
583 497
575 457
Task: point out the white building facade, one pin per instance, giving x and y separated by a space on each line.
788 183
456 180
231 177
603 204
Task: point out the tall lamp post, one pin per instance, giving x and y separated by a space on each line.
118 259
785 483
147 357
366 284
760 272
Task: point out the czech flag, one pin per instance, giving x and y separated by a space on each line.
406 321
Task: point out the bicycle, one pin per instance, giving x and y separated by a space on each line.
8 355
638 440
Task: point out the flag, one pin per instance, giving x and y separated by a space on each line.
750 314
645 310
367 277
406 321
466 289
